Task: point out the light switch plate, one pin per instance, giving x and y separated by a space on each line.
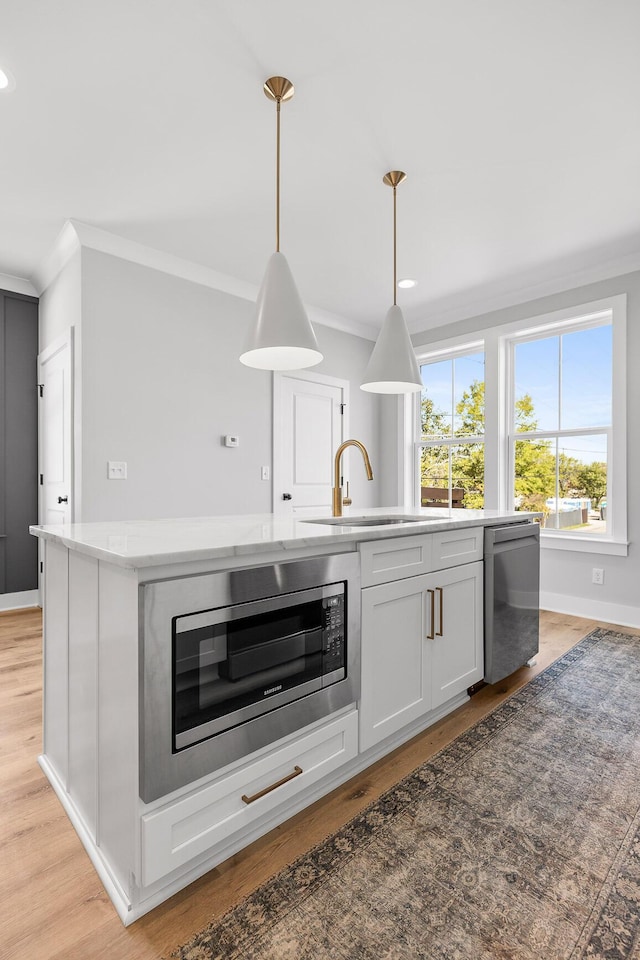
116 469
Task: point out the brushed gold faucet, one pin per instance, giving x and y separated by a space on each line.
338 500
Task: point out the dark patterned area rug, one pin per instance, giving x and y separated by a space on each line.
521 839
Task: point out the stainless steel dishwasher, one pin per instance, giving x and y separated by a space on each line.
511 597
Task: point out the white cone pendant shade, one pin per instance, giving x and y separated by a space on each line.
393 367
282 337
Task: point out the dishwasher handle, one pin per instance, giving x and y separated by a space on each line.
515 531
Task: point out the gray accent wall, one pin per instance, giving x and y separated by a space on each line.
18 442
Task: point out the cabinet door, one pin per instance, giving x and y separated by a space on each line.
457 655
395 658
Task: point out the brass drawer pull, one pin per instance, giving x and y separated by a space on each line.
431 634
439 633
274 786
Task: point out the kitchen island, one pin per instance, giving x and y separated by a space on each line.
391 638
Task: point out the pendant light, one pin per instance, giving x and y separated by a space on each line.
281 337
393 367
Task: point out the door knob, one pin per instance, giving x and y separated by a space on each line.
63 499
286 496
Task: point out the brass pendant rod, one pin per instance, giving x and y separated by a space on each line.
393 179
278 174
278 89
395 285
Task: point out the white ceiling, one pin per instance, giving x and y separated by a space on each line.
518 124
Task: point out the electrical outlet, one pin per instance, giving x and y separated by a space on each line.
597 575
116 470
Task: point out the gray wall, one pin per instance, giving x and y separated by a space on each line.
18 442
568 574
162 384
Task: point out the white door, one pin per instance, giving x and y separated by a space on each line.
55 372
308 426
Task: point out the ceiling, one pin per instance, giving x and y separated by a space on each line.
518 125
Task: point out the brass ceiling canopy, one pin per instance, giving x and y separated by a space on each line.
278 89
394 178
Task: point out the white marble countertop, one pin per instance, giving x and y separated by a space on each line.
147 543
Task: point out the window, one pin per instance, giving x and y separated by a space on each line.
532 417
450 452
560 426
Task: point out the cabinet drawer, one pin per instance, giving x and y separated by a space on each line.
395 559
453 547
190 826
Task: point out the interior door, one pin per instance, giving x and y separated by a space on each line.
309 425
55 371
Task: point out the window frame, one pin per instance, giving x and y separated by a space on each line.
497 343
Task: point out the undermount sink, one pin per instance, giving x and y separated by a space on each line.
369 521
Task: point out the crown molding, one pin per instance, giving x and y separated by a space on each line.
17 285
64 246
495 297
76 234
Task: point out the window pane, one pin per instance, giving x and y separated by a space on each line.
582 484
586 378
434 476
452 473
565 480
468 395
536 385
437 404
467 475
535 474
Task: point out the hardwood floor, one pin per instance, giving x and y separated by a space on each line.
52 904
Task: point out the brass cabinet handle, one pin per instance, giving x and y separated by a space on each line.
431 634
274 786
439 633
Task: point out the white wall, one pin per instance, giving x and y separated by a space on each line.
163 385
60 304
566 575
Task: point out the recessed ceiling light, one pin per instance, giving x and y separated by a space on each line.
407 283
6 80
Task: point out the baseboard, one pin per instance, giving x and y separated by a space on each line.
15 601
620 614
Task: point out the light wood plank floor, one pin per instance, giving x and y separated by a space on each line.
52 904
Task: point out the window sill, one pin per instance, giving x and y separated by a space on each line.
553 541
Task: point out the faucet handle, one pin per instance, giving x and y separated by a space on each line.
347 501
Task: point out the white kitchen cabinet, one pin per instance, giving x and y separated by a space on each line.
192 825
457 656
396 681
422 645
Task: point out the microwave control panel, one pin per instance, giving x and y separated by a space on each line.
333 645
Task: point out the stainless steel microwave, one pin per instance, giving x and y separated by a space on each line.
233 661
